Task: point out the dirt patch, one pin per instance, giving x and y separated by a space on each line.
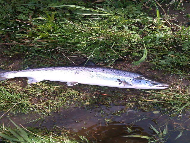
172 15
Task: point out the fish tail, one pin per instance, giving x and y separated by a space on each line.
2 75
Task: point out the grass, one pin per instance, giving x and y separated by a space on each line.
21 134
55 33
119 29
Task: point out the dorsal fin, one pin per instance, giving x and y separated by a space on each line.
88 63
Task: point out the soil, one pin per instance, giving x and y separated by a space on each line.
172 15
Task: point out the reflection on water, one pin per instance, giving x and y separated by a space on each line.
112 133
108 124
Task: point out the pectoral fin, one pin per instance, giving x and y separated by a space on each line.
32 80
71 83
2 74
124 82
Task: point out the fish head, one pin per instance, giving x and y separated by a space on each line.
144 83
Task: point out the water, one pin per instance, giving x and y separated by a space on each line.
109 124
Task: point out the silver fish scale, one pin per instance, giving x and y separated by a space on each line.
86 75
73 73
95 70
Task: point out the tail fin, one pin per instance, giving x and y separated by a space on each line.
2 77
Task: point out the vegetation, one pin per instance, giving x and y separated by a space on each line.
59 33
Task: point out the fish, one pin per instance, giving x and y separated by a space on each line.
89 75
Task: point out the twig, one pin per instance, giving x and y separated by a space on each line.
8 110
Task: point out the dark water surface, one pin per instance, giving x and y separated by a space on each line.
108 124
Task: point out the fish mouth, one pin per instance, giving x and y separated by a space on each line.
144 83
155 86
161 86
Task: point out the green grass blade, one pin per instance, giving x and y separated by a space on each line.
9 138
82 8
16 135
22 132
154 129
165 130
81 13
142 59
137 136
180 134
158 13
